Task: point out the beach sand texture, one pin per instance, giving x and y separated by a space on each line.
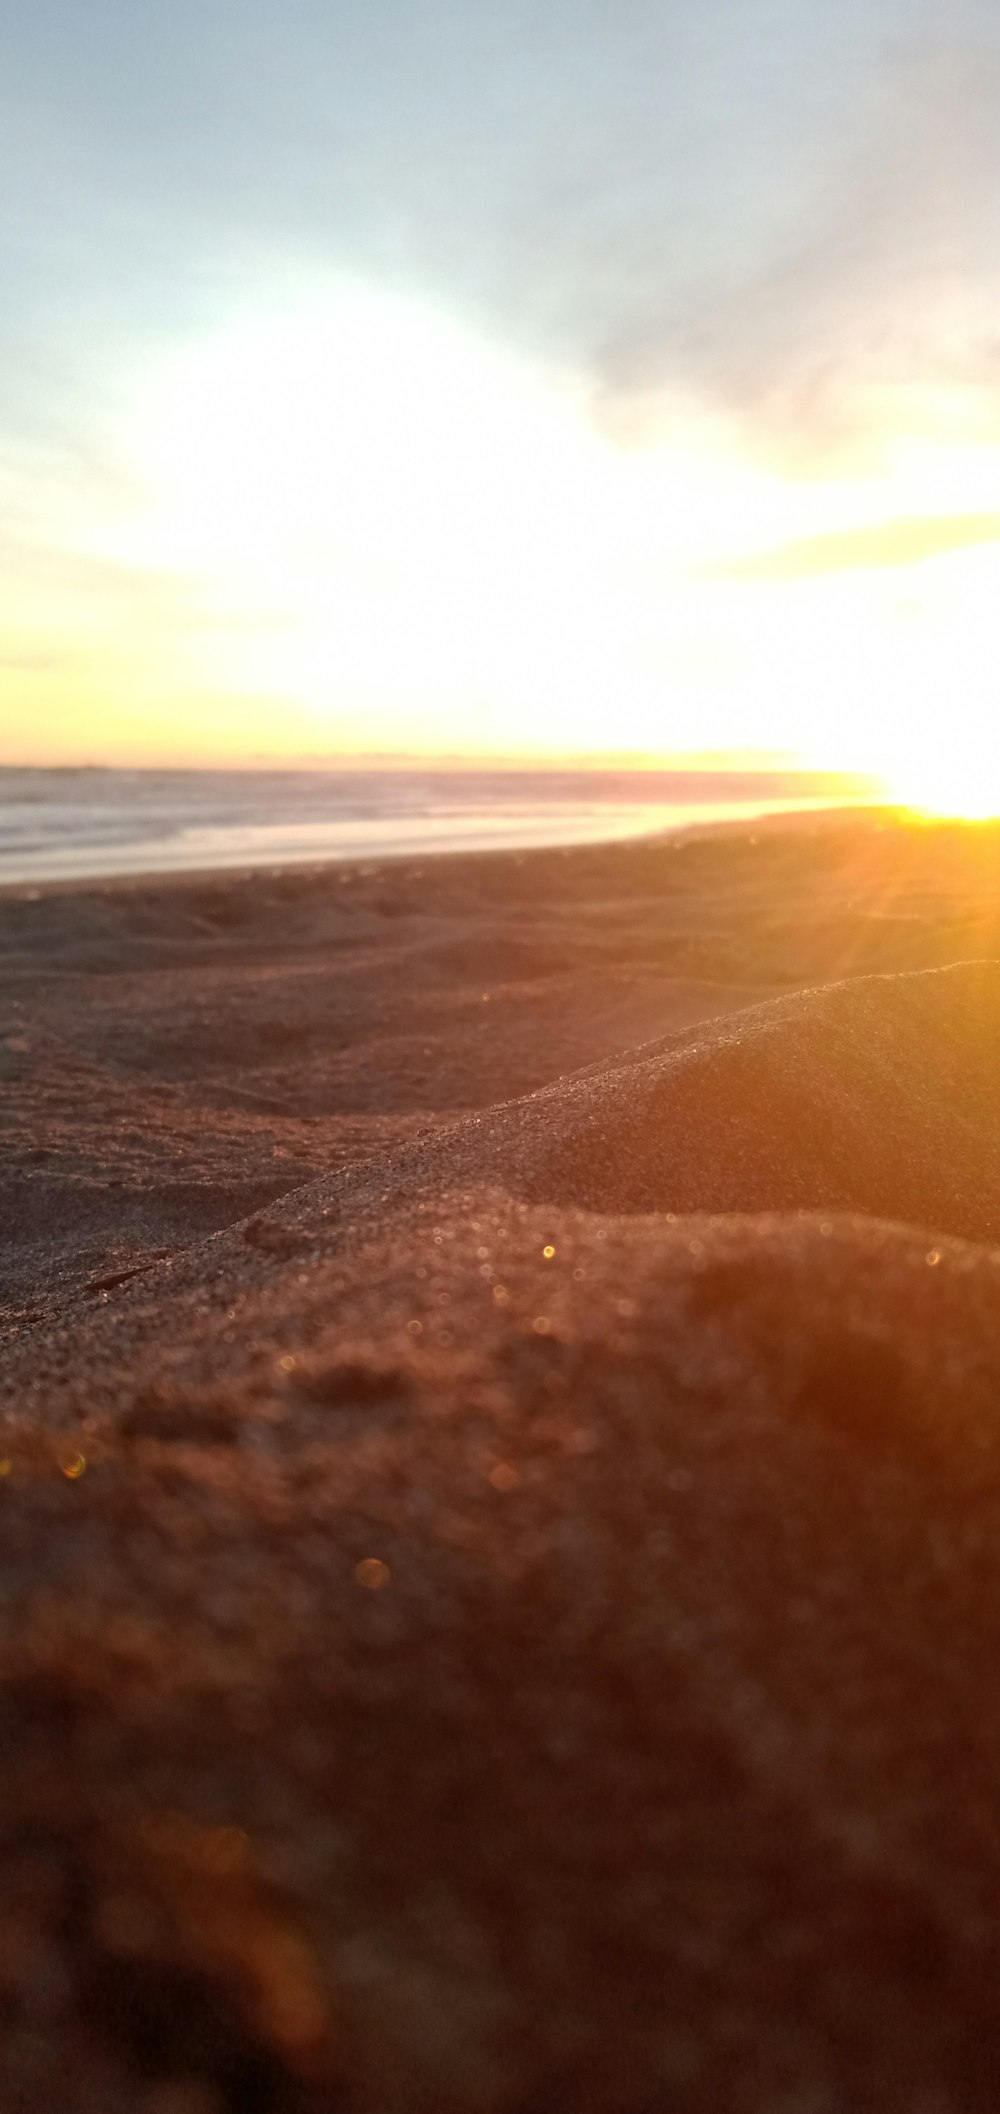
500 1484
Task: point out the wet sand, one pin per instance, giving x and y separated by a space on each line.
501 1483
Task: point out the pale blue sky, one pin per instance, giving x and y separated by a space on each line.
620 180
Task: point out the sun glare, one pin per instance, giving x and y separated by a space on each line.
343 521
949 764
957 791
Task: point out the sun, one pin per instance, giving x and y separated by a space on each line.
965 788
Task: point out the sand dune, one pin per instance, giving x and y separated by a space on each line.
878 1094
472 1640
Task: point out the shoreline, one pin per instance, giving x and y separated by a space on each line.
769 818
57 826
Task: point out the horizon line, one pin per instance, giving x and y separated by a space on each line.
769 763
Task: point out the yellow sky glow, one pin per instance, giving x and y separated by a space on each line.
348 525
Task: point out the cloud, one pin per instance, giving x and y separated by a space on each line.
884 282
886 544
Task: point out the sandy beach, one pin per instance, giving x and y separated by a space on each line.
500 1482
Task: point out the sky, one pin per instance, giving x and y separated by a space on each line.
532 377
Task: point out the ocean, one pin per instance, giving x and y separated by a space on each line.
67 824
